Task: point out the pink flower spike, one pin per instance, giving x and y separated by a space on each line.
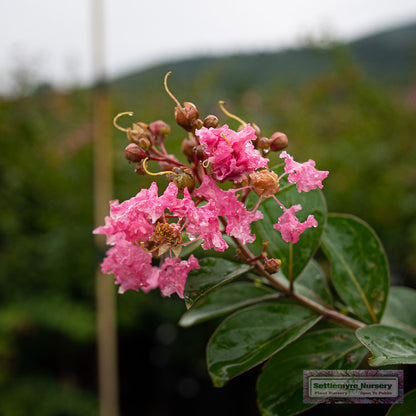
173 274
289 225
304 175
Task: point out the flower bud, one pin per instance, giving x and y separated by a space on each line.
144 143
272 265
278 141
159 129
188 148
166 164
139 131
200 152
186 116
134 153
184 179
139 169
198 123
265 183
263 143
211 121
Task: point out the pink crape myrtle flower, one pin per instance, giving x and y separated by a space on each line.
204 224
131 267
230 153
138 221
173 274
304 175
135 218
226 203
289 225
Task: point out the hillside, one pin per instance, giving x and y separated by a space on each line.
388 57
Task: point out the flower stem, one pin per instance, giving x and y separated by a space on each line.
328 314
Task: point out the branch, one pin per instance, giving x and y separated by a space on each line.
328 314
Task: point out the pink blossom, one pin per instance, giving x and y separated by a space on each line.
134 219
289 225
204 224
230 153
173 274
131 267
226 204
304 175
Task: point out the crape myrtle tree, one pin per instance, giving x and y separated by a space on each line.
283 310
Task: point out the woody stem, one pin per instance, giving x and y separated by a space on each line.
328 314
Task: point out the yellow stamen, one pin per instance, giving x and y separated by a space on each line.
223 136
166 172
125 113
167 89
225 111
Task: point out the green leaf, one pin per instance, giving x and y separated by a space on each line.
400 310
312 202
388 345
311 283
280 386
213 273
224 300
252 335
406 408
359 266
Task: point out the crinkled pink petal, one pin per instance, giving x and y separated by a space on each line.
230 153
204 224
226 203
289 225
304 174
173 274
238 225
134 219
131 267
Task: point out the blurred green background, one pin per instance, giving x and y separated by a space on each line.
351 108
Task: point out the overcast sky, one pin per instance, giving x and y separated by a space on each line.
53 37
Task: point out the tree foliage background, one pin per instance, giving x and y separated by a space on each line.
351 108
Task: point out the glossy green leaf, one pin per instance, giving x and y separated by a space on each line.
388 345
250 336
224 300
407 408
400 310
311 283
312 202
280 386
213 273
359 266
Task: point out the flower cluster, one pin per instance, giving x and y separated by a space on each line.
148 231
231 154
